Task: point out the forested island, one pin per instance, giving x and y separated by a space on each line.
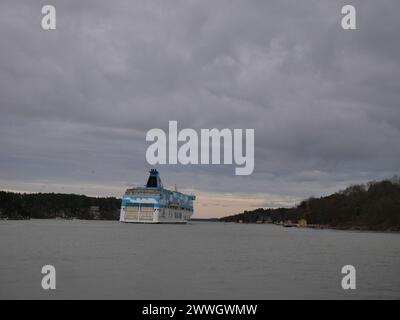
16 206
373 206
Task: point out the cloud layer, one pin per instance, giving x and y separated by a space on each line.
76 103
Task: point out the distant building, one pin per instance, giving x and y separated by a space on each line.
303 223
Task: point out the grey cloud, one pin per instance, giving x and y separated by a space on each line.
75 103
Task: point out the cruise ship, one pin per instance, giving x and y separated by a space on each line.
154 204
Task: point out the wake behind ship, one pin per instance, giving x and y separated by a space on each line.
154 204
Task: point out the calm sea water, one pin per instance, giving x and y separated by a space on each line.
100 260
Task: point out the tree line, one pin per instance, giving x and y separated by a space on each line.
371 206
16 206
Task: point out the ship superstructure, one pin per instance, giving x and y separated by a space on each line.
154 204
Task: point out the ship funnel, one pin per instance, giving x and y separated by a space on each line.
154 180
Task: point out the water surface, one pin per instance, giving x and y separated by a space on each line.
101 260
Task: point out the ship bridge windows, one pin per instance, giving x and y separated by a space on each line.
143 192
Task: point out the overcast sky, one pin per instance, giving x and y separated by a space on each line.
76 103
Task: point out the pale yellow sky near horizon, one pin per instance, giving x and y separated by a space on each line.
207 204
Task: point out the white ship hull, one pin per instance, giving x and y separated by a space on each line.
165 215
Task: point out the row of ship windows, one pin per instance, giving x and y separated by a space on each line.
157 193
176 215
151 206
148 212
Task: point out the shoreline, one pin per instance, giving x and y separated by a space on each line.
322 227
315 227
